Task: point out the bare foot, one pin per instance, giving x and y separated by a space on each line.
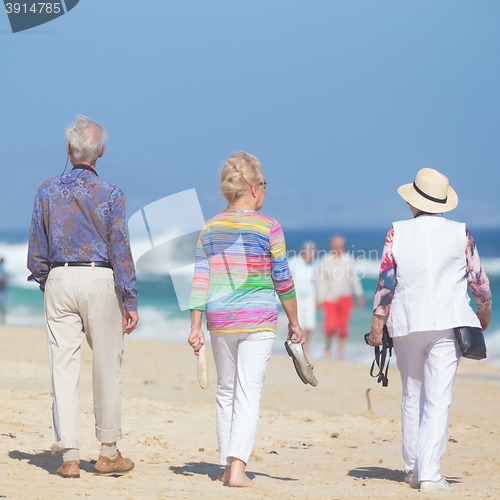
238 477
327 354
227 474
242 482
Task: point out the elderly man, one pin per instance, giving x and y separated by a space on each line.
336 284
80 255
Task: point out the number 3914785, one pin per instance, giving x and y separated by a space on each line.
33 7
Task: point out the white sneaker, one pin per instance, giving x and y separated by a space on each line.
411 477
435 486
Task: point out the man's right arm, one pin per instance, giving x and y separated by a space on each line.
38 247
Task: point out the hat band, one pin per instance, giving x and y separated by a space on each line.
430 198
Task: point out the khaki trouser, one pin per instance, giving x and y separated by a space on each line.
83 302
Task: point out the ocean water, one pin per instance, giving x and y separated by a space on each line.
161 318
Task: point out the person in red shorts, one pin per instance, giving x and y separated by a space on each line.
336 285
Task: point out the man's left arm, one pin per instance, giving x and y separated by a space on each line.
119 254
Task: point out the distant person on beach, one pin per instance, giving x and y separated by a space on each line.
240 263
79 254
304 271
3 288
337 282
421 294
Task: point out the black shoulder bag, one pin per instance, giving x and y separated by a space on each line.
471 342
383 353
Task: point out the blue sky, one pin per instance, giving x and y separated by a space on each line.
341 100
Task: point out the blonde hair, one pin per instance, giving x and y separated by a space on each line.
240 172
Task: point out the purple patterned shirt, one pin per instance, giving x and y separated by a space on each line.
79 217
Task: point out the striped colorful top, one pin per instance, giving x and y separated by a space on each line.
240 263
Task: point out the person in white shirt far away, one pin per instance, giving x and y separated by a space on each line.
304 269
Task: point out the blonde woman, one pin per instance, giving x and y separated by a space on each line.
240 264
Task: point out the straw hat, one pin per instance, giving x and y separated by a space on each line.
430 192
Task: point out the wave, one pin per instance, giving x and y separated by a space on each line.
368 268
15 255
24 316
491 265
492 340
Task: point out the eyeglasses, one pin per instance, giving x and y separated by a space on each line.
263 183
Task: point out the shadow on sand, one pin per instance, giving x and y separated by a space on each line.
214 470
46 461
377 473
385 473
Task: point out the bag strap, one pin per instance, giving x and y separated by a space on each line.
380 358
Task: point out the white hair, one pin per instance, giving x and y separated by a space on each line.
86 138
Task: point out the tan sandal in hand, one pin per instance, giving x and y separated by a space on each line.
302 366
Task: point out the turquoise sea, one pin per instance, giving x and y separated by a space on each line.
161 318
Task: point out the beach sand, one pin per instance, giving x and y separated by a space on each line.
311 442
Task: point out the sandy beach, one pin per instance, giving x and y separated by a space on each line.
311 442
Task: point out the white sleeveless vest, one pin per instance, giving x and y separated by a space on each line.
431 283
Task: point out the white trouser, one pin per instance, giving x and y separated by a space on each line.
241 360
428 364
83 302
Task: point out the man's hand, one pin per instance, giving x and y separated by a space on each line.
361 302
130 319
484 318
196 339
297 331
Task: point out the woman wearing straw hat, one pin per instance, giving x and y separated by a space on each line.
240 264
427 264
